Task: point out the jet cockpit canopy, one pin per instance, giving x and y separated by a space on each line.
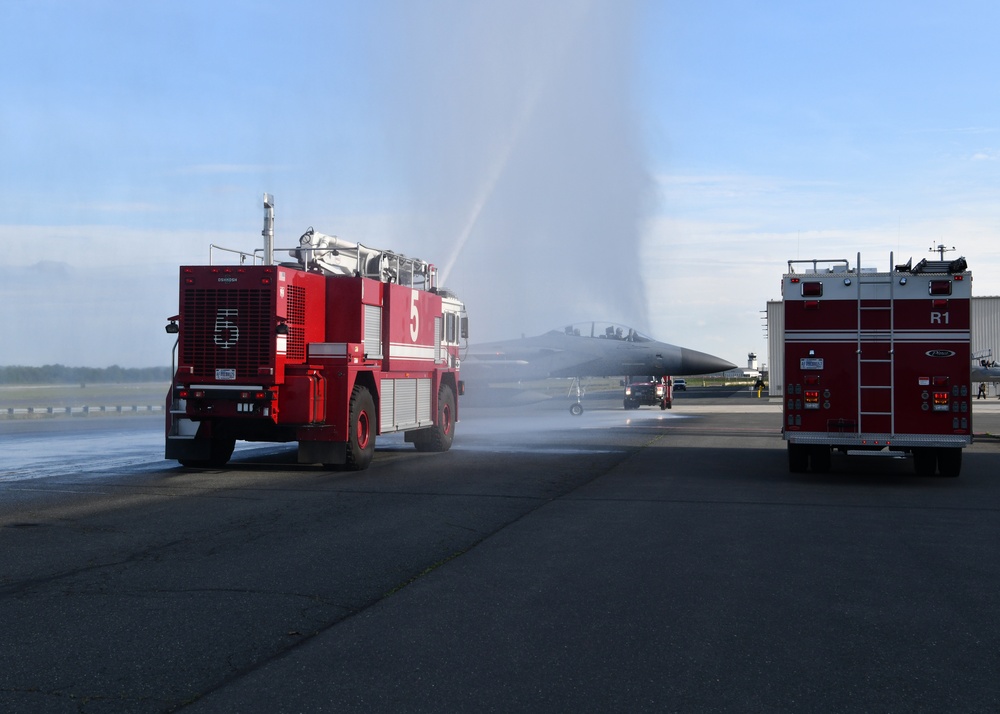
606 331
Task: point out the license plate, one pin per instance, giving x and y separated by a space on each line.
229 374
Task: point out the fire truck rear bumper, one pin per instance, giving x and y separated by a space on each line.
868 442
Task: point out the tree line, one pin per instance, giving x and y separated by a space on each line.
61 374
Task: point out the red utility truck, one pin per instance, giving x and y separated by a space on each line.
343 344
877 363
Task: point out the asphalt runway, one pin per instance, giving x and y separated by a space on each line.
616 561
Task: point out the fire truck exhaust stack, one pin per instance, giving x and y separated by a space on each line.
345 344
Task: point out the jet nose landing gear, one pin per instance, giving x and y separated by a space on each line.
576 408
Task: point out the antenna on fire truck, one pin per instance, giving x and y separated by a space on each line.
941 250
268 231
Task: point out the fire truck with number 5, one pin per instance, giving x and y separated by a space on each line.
877 363
346 343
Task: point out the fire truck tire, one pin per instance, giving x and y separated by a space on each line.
439 436
220 451
798 458
925 461
949 462
819 459
361 430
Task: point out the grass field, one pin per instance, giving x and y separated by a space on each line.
61 396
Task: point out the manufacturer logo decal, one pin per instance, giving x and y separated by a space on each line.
227 279
939 353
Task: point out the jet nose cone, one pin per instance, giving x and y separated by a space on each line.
694 362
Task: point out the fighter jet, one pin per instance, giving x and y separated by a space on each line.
985 369
585 349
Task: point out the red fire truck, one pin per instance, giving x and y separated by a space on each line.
877 363
343 344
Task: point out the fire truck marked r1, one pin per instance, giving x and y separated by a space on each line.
227 332
939 318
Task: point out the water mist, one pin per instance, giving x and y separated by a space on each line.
515 125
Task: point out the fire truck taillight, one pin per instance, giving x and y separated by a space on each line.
939 287
940 401
811 399
813 288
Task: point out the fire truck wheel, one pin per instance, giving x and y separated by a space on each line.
361 430
949 462
924 461
439 436
220 452
819 459
798 458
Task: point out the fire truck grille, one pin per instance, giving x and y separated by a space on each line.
295 317
229 330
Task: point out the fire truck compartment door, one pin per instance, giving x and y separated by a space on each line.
406 404
303 399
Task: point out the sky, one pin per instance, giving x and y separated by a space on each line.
649 162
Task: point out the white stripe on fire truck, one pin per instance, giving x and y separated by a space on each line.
885 335
417 352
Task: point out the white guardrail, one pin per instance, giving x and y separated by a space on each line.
80 411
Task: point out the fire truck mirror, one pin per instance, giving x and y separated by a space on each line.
465 328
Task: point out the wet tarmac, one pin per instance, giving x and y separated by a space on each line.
616 561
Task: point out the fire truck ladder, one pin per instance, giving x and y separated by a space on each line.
872 335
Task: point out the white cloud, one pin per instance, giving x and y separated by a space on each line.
106 246
210 169
715 254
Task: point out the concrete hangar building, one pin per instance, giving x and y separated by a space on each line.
985 317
